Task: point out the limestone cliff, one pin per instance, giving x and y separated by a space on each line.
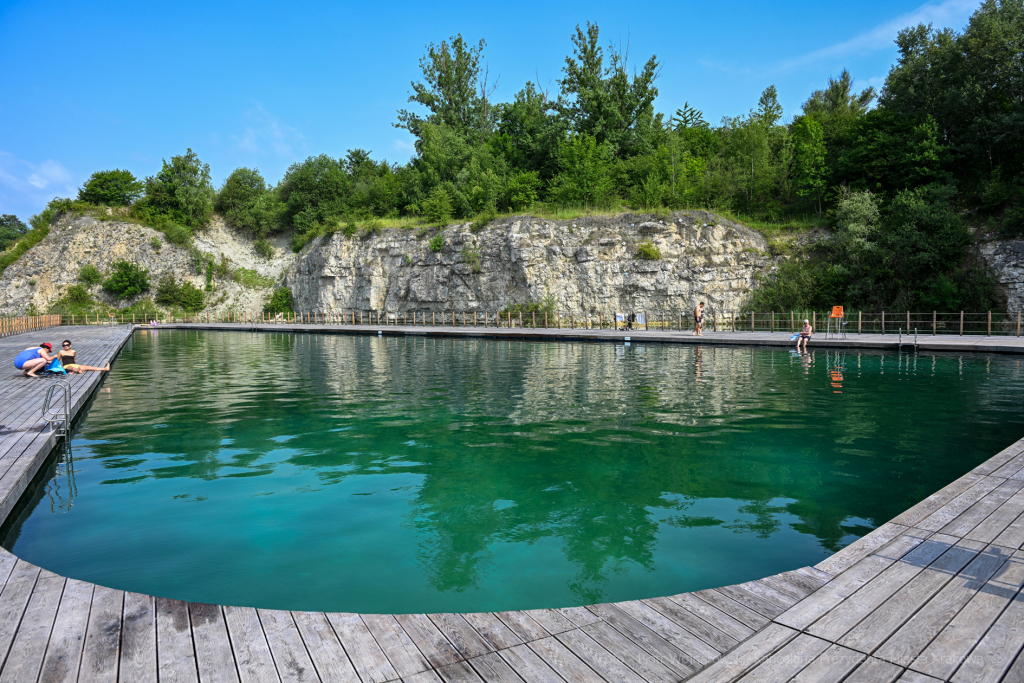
586 265
1006 258
44 273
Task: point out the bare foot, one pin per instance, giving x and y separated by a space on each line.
30 374
107 368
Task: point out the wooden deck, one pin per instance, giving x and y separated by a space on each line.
954 343
932 595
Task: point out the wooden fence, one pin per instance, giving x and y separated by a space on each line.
27 323
989 323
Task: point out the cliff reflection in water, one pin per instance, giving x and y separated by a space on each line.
619 460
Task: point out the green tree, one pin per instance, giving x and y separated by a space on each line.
11 228
111 188
584 178
453 90
126 279
605 102
181 192
809 172
315 192
248 204
279 301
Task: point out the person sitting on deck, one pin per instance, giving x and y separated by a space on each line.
805 335
34 359
67 358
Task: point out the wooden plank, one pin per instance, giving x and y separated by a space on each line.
290 655
176 654
26 654
214 658
848 613
945 629
324 648
966 521
786 663
874 671
880 624
429 676
678 649
997 650
528 665
998 521
608 665
915 677
791 591
653 660
833 665
494 669
430 641
747 655
580 616
254 662
523 625
550 620
138 638
102 637
497 635
687 632
742 594
64 651
459 672
563 661
822 601
745 616
724 627
460 634
13 600
952 509
861 548
379 648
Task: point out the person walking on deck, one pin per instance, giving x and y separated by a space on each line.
698 320
33 359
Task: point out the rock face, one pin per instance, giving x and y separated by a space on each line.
1006 258
44 273
585 266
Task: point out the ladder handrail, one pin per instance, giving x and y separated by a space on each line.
63 416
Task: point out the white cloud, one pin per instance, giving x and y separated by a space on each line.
26 187
265 133
949 13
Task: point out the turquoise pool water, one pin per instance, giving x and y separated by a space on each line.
421 475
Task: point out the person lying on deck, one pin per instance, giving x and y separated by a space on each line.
34 359
66 356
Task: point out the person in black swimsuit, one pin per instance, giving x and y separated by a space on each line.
698 320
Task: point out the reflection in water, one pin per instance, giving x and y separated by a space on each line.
420 474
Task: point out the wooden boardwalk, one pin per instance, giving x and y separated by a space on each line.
954 343
932 595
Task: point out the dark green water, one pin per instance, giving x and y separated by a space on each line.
423 475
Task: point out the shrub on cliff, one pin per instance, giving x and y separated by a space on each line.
279 301
10 230
111 188
179 195
126 280
648 252
90 274
314 192
248 204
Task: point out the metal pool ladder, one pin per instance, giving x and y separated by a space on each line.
58 417
908 344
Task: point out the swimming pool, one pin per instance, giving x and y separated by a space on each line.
353 473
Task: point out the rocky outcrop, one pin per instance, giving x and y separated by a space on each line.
1006 259
586 266
44 273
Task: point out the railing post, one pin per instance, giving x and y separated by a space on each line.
814 321
935 323
961 323
990 323
751 321
883 322
1018 323
792 321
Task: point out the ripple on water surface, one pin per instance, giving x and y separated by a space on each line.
421 475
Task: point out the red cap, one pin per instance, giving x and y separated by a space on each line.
47 345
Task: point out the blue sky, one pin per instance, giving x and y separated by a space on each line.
93 86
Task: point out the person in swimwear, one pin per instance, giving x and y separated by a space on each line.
67 358
36 358
698 320
805 335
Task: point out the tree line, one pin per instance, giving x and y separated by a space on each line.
901 176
